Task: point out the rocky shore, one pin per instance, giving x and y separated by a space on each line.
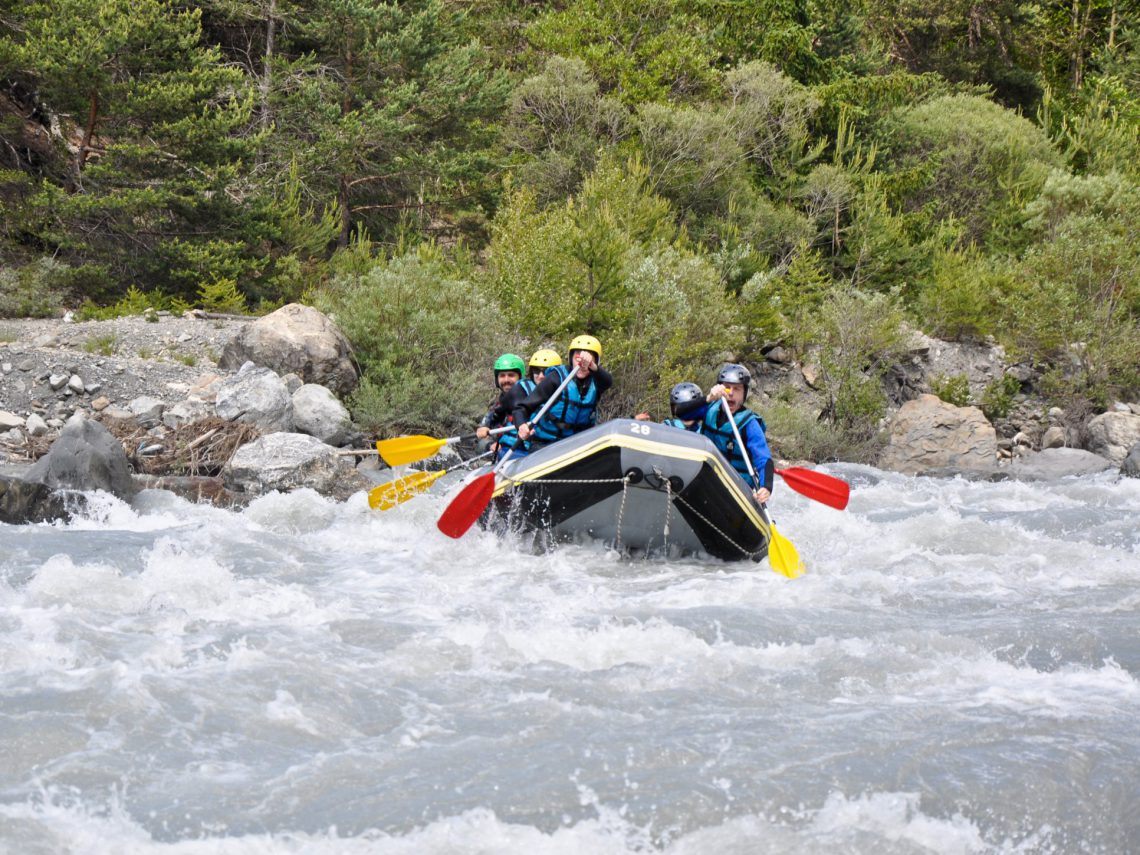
214 408
221 409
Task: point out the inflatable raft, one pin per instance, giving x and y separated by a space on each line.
637 486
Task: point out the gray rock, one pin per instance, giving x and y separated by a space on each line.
317 412
296 339
10 420
57 381
292 383
1053 463
258 396
75 384
1054 437
1131 464
929 436
288 461
185 412
147 410
23 502
85 457
1112 435
36 425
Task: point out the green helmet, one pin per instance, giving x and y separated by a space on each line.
510 362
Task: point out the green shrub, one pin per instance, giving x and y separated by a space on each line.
979 163
795 433
104 345
134 302
425 338
222 296
859 337
954 389
998 397
37 290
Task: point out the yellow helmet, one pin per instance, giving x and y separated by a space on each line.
587 342
545 358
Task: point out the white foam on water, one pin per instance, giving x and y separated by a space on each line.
182 679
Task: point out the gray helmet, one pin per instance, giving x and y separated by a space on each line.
735 373
684 393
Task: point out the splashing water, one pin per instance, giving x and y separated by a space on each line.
959 672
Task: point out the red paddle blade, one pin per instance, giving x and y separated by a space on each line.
815 485
467 507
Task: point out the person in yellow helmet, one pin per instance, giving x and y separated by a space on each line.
501 410
576 409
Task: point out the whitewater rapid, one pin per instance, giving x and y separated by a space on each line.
958 672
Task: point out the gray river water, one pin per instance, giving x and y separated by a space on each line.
958 672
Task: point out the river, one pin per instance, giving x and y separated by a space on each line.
958 672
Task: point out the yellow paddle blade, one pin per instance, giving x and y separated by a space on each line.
783 557
408 449
387 496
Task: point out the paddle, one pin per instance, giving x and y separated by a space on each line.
827 489
782 554
387 496
473 499
408 449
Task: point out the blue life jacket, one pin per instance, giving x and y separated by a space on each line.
695 427
724 439
572 412
511 439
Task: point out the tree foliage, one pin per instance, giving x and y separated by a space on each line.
690 179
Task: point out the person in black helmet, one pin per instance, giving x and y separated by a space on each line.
732 385
684 400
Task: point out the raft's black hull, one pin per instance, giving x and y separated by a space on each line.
639 486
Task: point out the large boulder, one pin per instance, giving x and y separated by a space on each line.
23 502
288 461
1052 463
257 396
296 339
317 412
85 456
1112 435
929 436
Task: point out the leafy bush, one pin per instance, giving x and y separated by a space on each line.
960 301
425 338
859 337
980 163
222 296
796 433
998 397
134 302
954 389
37 290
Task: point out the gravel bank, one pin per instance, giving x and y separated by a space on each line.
119 360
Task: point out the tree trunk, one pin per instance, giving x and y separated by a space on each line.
266 81
345 213
88 134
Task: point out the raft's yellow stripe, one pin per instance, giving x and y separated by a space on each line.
649 446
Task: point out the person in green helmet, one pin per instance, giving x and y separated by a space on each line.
508 371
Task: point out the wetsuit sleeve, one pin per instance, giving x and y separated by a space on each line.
526 407
602 380
759 454
497 415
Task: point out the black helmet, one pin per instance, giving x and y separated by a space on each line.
735 373
684 393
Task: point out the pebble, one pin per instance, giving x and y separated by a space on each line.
75 384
